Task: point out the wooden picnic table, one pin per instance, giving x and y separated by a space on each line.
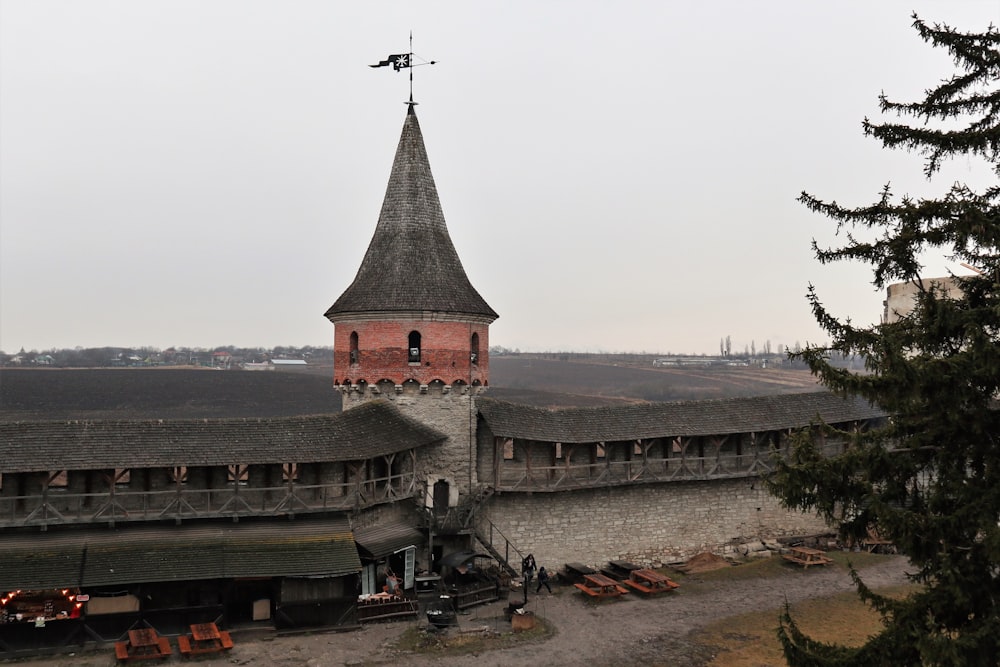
601 586
874 543
204 638
575 572
143 643
142 637
625 565
205 632
650 581
806 556
620 569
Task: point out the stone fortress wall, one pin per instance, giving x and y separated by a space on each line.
652 523
449 409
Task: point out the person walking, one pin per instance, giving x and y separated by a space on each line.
528 569
543 580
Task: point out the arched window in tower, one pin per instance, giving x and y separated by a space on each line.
354 347
474 349
414 345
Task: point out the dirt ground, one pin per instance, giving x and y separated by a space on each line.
628 631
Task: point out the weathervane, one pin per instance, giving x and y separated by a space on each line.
401 60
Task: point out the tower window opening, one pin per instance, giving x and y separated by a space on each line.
354 347
413 343
474 349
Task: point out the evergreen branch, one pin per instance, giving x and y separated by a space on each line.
940 103
929 478
938 145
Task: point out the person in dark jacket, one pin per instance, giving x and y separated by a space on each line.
543 580
528 569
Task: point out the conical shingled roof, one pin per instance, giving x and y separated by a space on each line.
411 263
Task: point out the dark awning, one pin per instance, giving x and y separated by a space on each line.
460 558
100 557
388 538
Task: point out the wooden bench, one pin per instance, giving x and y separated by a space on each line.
650 581
806 562
154 647
649 589
187 649
164 650
805 557
795 559
637 586
599 586
121 650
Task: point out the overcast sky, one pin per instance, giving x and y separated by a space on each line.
616 176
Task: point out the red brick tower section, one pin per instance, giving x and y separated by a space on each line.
411 319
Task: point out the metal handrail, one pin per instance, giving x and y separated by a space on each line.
508 545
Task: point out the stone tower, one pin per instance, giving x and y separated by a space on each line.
411 328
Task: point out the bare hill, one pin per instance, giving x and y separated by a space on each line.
190 393
583 382
161 393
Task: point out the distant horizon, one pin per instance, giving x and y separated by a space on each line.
626 178
503 351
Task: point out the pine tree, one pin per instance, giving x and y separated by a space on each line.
930 478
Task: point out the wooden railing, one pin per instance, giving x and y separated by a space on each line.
454 520
516 476
57 506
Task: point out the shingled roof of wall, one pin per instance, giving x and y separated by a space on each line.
411 264
372 429
688 418
101 557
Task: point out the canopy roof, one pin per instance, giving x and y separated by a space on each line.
103 557
684 418
373 429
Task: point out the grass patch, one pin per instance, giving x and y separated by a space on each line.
750 640
770 568
420 639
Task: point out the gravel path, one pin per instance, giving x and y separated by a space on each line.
614 633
